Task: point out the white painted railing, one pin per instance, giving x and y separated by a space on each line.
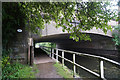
51 53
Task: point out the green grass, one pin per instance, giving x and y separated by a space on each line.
63 71
18 70
27 72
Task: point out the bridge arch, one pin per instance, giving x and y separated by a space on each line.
100 45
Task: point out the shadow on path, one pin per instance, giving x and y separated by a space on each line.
45 66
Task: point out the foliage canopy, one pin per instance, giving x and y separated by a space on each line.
117 35
86 15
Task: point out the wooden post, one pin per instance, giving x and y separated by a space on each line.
57 55
30 51
62 58
28 55
31 55
101 69
74 67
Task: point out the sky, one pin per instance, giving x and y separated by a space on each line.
114 2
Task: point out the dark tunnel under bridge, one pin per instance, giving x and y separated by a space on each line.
100 45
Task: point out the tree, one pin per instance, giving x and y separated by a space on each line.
88 14
116 36
36 14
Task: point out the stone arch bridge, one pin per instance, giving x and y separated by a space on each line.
101 43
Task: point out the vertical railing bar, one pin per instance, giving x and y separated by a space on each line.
52 53
62 58
74 67
101 69
57 55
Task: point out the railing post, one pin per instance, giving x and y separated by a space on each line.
57 55
52 53
62 58
74 67
101 69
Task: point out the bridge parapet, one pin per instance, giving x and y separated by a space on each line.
51 30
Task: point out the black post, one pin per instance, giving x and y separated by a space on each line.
31 55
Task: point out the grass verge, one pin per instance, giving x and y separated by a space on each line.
28 72
64 71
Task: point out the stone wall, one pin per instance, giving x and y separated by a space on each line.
20 46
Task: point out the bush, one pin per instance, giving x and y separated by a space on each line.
116 35
16 70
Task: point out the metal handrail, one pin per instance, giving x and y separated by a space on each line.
101 75
90 55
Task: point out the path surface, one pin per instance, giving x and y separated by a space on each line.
43 58
45 66
47 70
